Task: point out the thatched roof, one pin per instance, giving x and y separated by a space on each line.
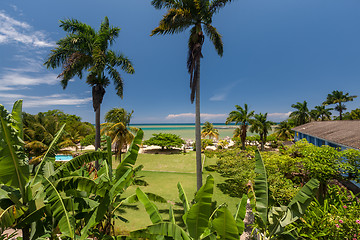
345 132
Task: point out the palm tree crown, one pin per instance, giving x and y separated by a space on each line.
243 116
321 113
117 127
209 130
86 49
301 115
338 97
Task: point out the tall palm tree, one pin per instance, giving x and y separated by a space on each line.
197 15
283 130
301 115
86 49
117 127
243 116
209 130
262 126
338 97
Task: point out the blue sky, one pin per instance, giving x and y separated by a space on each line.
276 53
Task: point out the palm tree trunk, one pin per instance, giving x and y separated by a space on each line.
97 133
197 127
243 136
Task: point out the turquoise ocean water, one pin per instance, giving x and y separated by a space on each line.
185 130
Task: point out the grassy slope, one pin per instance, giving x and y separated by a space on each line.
163 172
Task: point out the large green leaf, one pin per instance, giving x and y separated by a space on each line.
9 216
240 214
167 229
80 183
183 198
109 155
17 116
49 170
225 224
261 189
131 155
14 170
59 212
300 202
121 184
150 207
198 215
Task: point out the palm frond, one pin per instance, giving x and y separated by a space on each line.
215 37
174 21
216 5
158 4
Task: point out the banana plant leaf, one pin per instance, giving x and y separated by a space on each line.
79 183
240 214
131 155
167 229
225 224
48 170
198 215
296 208
59 212
14 171
183 198
261 189
150 207
9 216
17 116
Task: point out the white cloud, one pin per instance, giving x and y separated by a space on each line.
191 117
40 101
14 31
14 80
278 116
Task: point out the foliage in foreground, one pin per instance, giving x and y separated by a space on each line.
202 218
337 217
270 221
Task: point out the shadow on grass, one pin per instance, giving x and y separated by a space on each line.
165 151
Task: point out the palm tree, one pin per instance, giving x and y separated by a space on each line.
338 97
243 116
321 113
117 127
262 126
301 115
85 49
209 130
283 130
181 15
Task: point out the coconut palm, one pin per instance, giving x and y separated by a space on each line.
243 116
85 49
321 113
338 97
301 115
209 130
197 15
283 130
118 129
262 126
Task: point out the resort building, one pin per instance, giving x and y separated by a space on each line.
338 134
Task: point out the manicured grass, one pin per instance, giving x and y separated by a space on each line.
162 173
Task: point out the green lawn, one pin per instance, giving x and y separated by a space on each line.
163 172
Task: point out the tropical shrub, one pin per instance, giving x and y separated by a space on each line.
165 140
337 218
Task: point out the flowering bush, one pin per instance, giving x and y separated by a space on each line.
337 218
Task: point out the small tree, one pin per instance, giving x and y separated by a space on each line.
165 140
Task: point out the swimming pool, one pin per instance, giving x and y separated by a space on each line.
61 157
